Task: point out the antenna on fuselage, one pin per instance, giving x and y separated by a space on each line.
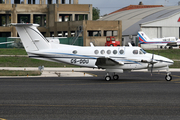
130 45
92 45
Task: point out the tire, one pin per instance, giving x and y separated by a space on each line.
108 78
111 45
168 77
115 77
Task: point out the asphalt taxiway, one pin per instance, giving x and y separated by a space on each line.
134 96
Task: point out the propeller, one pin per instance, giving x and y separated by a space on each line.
151 62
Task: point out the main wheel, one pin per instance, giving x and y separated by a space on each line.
108 78
115 77
168 77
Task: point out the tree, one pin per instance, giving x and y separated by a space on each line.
96 13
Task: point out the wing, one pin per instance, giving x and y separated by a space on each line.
172 44
107 62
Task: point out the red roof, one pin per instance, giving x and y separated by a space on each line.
136 7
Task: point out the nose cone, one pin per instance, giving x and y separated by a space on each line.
163 61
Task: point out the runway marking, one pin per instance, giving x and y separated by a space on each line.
84 106
91 74
2 119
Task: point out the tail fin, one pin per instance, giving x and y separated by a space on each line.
143 38
31 38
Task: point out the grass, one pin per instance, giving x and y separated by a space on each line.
169 53
28 62
175 65
12 51
19 73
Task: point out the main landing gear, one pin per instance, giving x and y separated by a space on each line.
108 77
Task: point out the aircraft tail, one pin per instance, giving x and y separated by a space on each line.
31 38
143 38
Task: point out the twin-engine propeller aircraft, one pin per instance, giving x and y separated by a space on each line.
162 42
113 59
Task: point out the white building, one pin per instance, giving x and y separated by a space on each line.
155 22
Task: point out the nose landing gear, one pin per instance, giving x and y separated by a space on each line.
168 77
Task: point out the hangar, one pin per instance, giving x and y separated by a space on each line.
156 22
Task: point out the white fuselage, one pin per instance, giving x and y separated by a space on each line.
128 57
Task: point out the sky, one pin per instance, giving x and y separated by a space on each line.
108 6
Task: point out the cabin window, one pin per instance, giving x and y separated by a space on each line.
121 51
114 51
109 52
75 52
135 51
102 52
96 51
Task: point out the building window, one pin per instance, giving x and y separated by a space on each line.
110 33
5 20
40 19
65 17
79 17
94 33
23 18
5 34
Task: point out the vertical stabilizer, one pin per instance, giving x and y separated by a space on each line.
143 38
31 38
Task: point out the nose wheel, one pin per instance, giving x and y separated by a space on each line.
168 77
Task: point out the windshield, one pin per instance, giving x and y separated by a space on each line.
112 39
143 51
108 39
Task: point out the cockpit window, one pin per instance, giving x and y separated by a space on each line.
144 52
135 51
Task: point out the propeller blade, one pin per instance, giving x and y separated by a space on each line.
152 64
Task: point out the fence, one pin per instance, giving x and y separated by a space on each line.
18 44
